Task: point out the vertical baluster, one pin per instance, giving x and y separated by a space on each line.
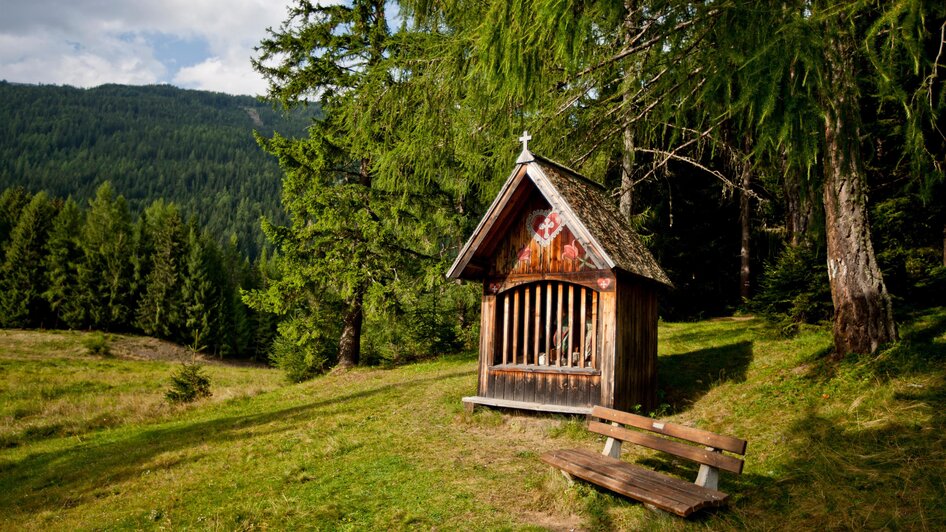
583 329
515 325
526 314
506 328
538 320
571 324
558 327
594 329
548 323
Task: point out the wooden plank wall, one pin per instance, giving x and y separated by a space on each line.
635 362
554 388
606 345
519 253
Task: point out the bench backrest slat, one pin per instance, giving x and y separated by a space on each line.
702 456
709 439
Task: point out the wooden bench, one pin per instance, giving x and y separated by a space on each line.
650 487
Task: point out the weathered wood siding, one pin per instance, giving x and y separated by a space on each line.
635 356
520 251
553 387
606 342
487 341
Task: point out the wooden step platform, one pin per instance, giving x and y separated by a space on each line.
667 493
470 402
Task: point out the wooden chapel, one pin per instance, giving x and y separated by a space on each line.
569 305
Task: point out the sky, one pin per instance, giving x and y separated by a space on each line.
194 44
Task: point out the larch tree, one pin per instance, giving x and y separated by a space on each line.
789 75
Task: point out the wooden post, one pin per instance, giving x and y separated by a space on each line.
558 327
538 319
525 325
515 325
583 329
505 328
571 328
548 322
594 329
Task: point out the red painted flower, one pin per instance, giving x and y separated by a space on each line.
572 251
525 254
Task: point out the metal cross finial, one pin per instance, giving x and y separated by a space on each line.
525 138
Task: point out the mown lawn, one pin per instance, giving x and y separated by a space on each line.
856 443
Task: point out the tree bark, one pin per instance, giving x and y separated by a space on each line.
863 312
799 207
627 180
626 202
944 245
744 283
349 345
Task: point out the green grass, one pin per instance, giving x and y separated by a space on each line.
856 443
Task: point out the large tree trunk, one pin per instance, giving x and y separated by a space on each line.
744 283
799 207
349 345
863 313
627 181
626 202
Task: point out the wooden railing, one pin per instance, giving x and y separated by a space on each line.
548 324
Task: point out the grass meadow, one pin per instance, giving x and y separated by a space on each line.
88 441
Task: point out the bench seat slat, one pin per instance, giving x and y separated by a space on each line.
682 450
703 437
635 482
639 493
673 487
640 477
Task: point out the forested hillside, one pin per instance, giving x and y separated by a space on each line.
193 148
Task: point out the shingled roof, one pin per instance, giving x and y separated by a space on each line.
587 209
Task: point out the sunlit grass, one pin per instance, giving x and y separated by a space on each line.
856 443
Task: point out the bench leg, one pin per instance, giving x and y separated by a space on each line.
612 447
469 407
568 478
708 477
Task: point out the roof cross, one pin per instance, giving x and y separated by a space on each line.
525 138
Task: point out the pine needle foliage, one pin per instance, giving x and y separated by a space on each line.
188 384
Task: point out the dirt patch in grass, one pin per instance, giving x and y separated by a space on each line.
147 348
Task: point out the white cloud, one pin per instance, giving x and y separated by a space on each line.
217 75
90 42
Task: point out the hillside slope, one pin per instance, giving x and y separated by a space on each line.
195 148
857 443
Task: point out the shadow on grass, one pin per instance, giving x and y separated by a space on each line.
682 379
883 468
70 476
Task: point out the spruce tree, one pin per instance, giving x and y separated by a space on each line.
159 312
63 257
22 274
361 222
199 296
105 274
12 202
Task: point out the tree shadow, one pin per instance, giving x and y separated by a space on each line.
878 468
685 378
71 476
